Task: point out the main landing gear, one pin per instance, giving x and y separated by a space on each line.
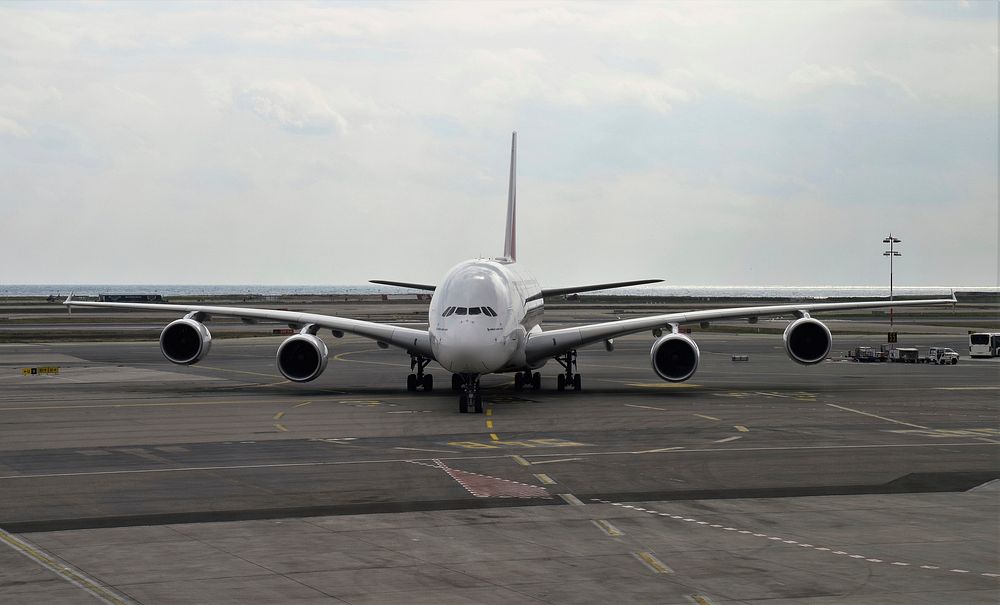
470 397
527 379
569 378
419 379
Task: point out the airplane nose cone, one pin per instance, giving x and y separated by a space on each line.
468 348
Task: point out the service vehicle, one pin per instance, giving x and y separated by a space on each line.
904 355
984 344
942 356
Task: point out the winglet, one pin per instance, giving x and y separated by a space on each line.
510 239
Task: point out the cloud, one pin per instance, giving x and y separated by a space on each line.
818 76
297 106
649 128
10 127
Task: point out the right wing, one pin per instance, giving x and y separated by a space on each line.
549 343
414 341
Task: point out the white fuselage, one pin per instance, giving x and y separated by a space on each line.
480 317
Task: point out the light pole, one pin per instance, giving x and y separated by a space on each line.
891 252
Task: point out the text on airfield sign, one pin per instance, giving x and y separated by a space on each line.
47 370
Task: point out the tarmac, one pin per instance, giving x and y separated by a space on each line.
125 479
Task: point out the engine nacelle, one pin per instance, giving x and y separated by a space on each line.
302 357
185 341
808 341
674 357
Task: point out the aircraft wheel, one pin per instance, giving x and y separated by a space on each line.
577 382
428 383
561 382
518 381
411 382
463 403
536 381
478 400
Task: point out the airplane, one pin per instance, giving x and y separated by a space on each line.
485 317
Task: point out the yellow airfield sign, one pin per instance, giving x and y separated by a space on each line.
46 370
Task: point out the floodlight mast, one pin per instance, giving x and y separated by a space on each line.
891 252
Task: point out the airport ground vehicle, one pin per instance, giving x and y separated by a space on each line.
984 344
904 355
942 356
866 355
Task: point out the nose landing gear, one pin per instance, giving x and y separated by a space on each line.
470 397
419 379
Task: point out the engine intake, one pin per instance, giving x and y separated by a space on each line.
674 357
185 341
302 357
808 341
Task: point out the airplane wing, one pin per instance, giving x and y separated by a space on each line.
414 341
549 292
550 343
403 284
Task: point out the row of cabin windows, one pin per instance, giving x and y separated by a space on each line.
469 311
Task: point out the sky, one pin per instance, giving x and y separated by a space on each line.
704 143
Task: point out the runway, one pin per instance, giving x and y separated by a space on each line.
221 482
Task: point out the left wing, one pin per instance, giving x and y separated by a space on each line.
414 341
546 344
403 284
550 292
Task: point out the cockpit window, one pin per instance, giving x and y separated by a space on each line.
488 311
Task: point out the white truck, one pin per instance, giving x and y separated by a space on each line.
942 356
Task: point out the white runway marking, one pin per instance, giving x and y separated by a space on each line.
783 540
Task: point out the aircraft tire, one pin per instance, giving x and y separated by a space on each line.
428 383
561 382
411 382
577 382
536 381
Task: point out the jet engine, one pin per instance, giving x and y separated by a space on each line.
185 341
302 357
674 357
807 341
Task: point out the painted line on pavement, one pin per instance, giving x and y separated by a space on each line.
649 560
727 439
64 570
840 407
545 479
608 528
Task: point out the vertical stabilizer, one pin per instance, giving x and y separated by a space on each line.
510 240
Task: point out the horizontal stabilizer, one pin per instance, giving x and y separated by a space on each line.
549 292
403 284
